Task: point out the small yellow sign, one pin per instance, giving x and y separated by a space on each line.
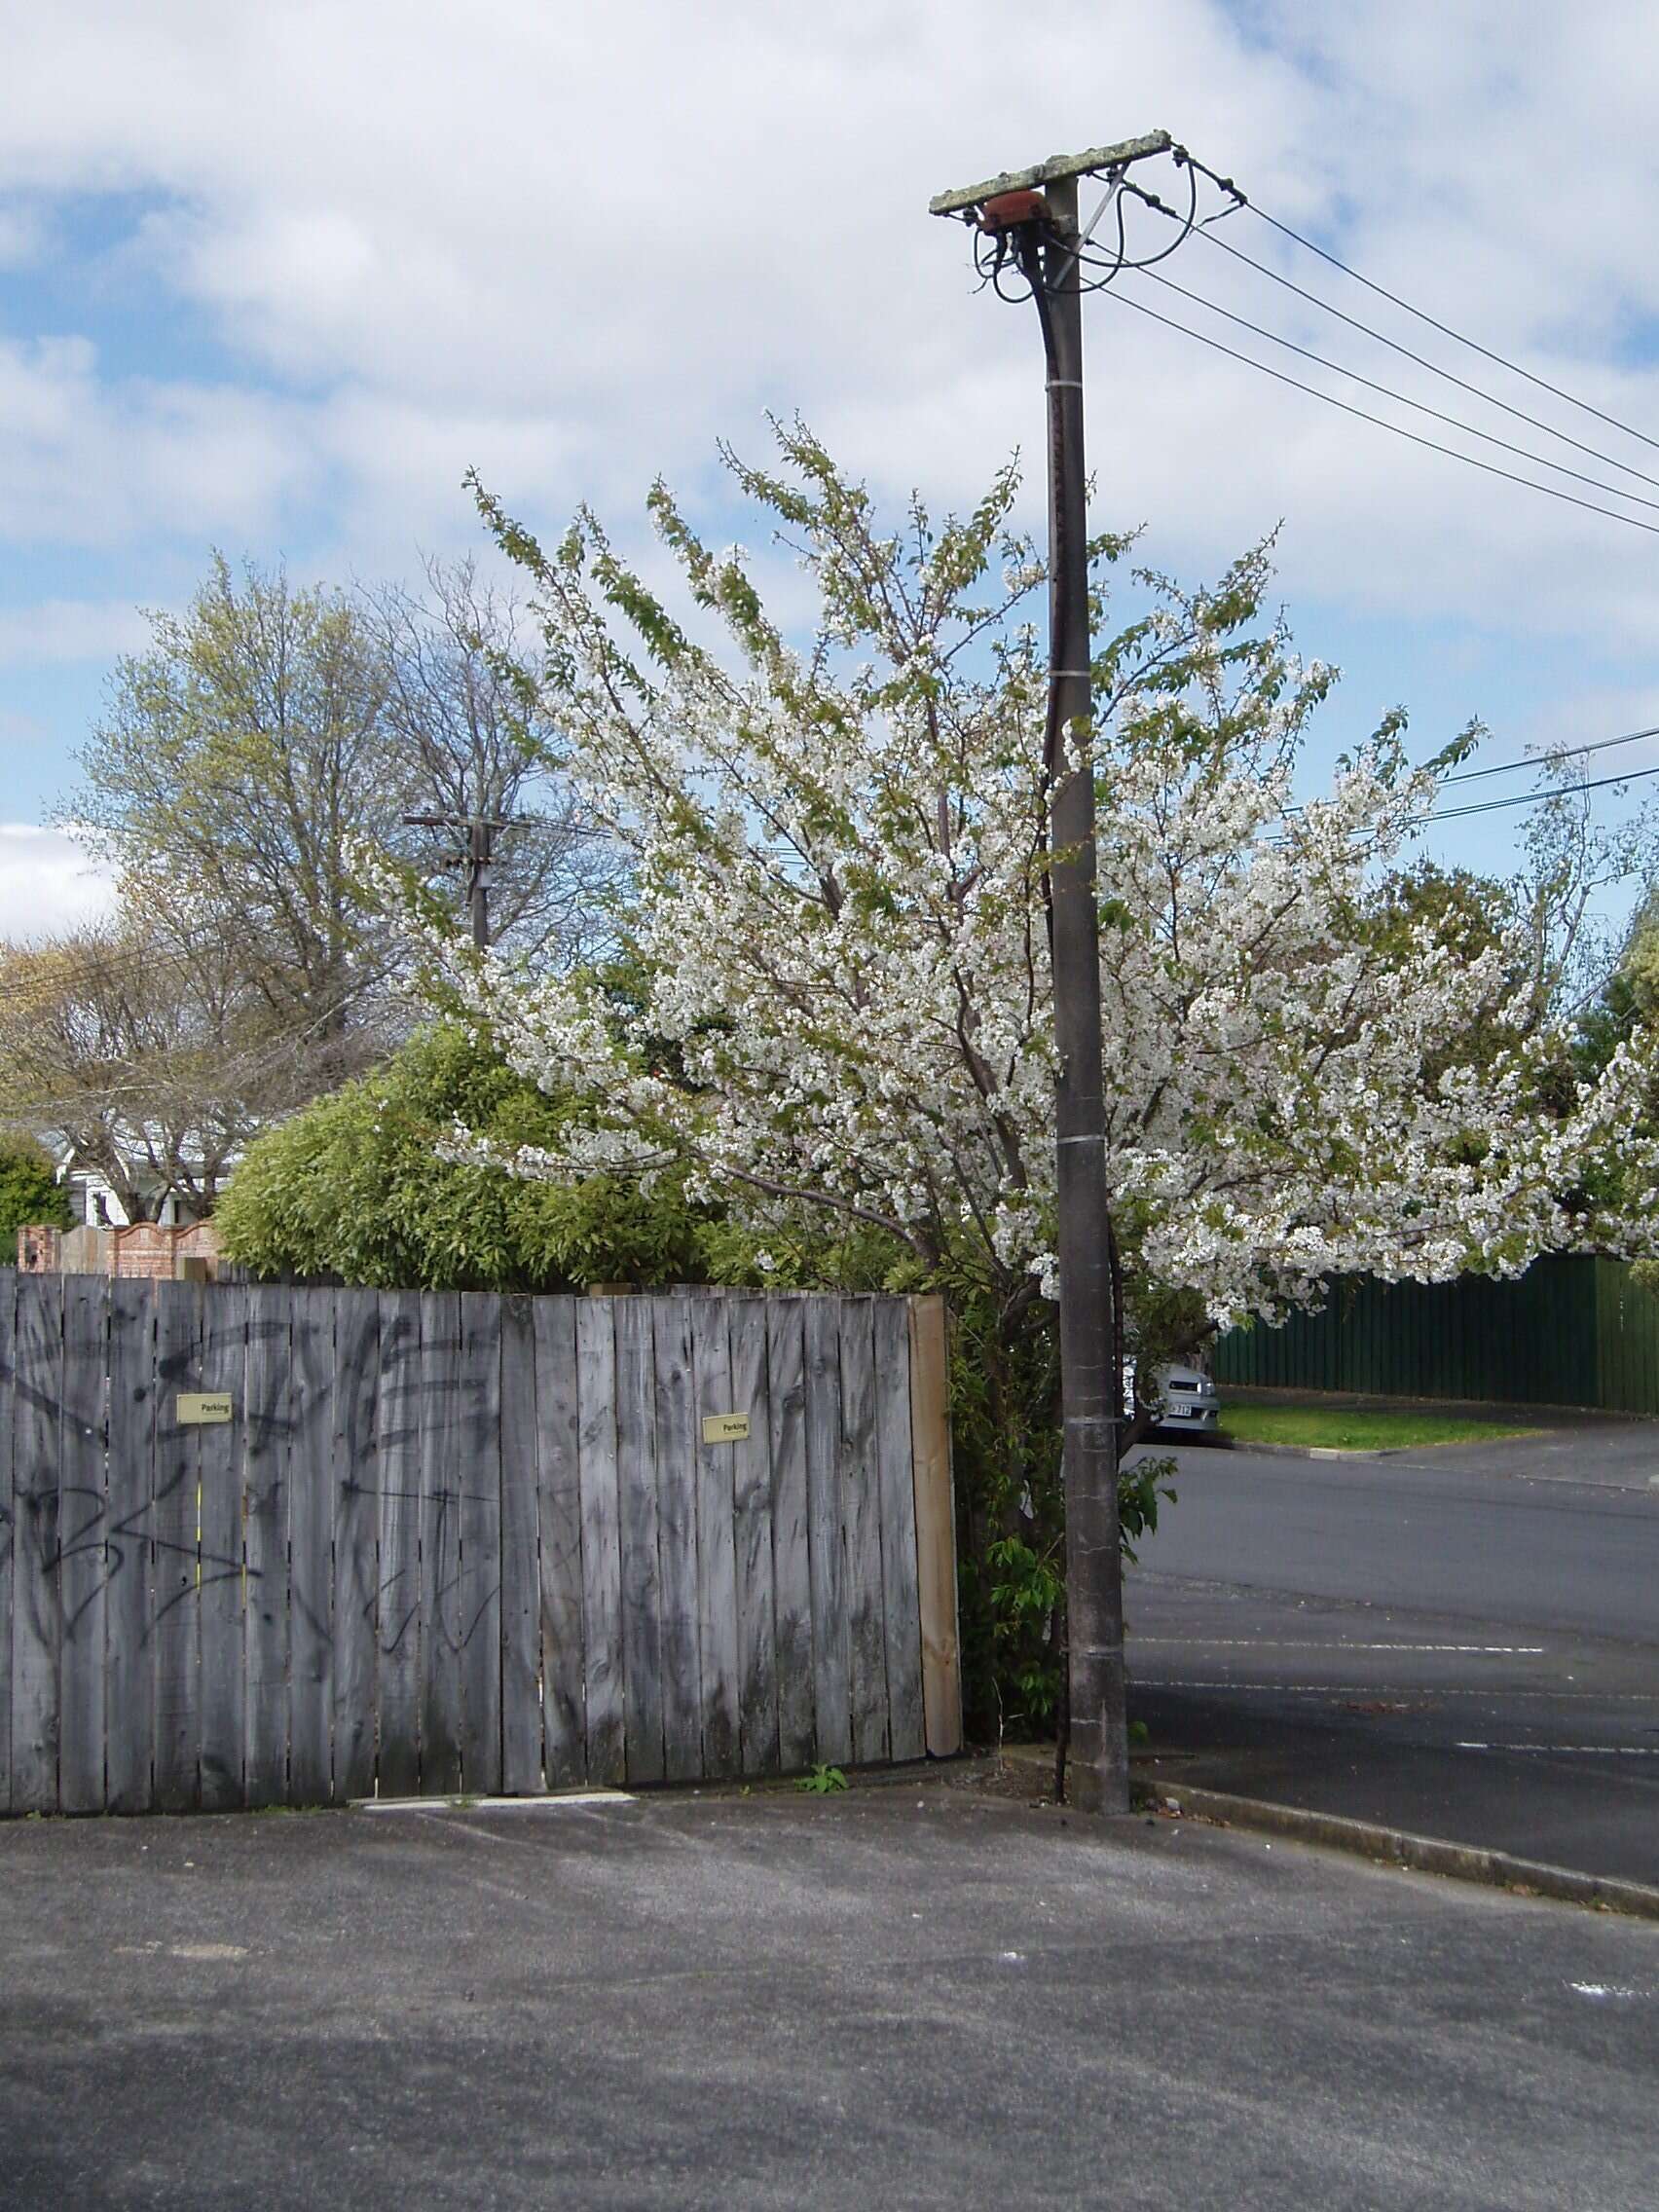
725 1428
195 1407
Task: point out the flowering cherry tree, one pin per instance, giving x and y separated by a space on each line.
837 915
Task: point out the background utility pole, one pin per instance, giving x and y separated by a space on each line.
1036 211
480 845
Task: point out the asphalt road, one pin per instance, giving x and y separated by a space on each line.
1462 1643
905 1996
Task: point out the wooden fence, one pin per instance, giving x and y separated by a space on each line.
1573 1331
268 1546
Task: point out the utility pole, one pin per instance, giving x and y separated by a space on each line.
1034 212
481 837
480 845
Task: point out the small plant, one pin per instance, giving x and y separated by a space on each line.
1139 1732
822 1781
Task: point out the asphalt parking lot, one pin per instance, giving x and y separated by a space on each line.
908 1995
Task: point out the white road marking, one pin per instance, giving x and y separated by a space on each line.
553 1802
1582 1750
1289 1643
1400 1689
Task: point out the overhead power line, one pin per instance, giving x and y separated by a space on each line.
1548 753
1381 338
1421 360
1538 797
1363 415
1517 799
1446 330
1403 400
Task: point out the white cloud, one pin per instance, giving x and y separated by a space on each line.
88 460
22 236
48 883
70 630
573 247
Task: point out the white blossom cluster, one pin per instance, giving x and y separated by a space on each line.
840 934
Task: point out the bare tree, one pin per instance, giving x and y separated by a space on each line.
149 1051
468 730
1571 859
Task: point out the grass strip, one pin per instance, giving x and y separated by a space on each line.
1344 1429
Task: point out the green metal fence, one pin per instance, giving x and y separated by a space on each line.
1569 1332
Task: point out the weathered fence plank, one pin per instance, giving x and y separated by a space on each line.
397 1655
82 1515
442 1439
453 1541
264 1432
559 1516
676 1539
717 1542
356 1481
792 1561
604 1670
130 1683
224 1361
37 1620
753 1529
478 1587
860 1504
8 1519
521 1575
935 1527
895 1463
311 1539
178 1612
637 1499
832 1646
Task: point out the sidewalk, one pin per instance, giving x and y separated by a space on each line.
915 1995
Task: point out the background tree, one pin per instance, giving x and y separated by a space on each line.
146 1050
30 1195
843 1003
243 763
252 766
349 1187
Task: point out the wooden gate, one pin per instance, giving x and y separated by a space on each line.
263 1546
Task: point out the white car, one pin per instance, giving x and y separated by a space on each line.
1183 1397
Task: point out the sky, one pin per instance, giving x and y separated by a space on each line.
273 279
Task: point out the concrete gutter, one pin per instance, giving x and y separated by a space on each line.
1422 1854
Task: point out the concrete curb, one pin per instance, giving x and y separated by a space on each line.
1324 1450
1422 1854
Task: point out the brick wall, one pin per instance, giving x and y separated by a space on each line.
155 1253
145 1250
40 1251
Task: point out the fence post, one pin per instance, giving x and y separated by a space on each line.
935 1527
